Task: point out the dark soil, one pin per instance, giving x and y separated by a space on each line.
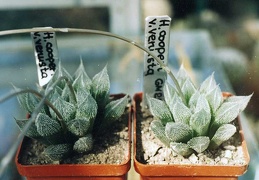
112 147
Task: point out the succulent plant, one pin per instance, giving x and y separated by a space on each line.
77 110
201 120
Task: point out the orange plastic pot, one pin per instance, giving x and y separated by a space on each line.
76 171
186 172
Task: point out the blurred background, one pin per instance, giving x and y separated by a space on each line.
207 35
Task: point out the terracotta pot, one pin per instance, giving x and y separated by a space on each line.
186 172
76 171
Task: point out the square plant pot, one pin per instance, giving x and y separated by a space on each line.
184 171
77 171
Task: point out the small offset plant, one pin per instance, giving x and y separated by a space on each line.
77 110
198 120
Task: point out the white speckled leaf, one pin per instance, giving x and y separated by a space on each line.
78 127
57 74
208 84
181 113
202 103
193 100
199 144
159 110
169 92
84 144
66 109
32 131
182 76
66 74
214 98
115 109
27 101
100 87
176 98
241 100
58 152
82 80
55 95
60 71
227 112
200 122
223 133
86 105
159 131
188 89
66 94
181 148
46 126
178 132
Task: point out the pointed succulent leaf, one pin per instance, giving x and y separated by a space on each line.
199 144
31 102
55 95
86 105
200 122
27 101
115 109
202 103
181 148
176 99
32 131
66 74
223 133
58 152
78 127
58 90
66 109
182 76
159 110
159 131
181 113
208 84
80 70
84 144
178 132
100 87
193 100
241 100
46 126
188 89
82 80
60 71
226 113
214 98
169 92
57 74
66 94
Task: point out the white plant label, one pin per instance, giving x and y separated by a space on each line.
157 32
46 55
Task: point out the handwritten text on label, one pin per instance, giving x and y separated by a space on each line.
46 55
157 31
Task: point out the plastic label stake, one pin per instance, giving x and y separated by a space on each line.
46 54
157 32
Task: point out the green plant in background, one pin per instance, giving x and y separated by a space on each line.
201 120
76 110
